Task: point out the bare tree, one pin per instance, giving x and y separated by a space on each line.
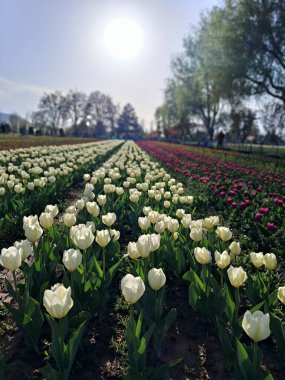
75 109
52 111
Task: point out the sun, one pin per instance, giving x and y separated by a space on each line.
123 38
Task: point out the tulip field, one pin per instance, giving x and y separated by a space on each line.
168 263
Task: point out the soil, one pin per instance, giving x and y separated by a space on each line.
191 338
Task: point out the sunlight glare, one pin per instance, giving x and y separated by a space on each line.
123 38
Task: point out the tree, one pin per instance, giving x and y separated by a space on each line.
5 127
242 124
128 125
52 111
249 35
101 113
75 108
273 121
14 120
197 92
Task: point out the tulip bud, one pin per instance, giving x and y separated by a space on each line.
103 238
257 259
25 248
115 235
222 259
156 278
159 227
135 197
189 199
146 210
237 276
46 220
144 223
235 248
81 236
53 209
93 208
224 233
86 177
72 259
58 301
119 190
132 288
91 225
208 223
33 230
69 219
144 246
153 216
196 234
270 261
133 251
154 242
186 220
11 258
256 325
18 188
202 255
281 294
80 204
109 219
102 199
108 189
173 225
157 197
180 213
196 224
166 204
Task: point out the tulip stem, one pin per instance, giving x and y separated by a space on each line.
145 269
254 359
237 305
222 277
72 283
104 261
16 288
132 314
156 306
84 267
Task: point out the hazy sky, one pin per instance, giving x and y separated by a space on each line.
48 45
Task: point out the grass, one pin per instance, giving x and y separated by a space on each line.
259 149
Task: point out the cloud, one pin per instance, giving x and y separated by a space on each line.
9 87
19 97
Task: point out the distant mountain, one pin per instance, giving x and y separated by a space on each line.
4 117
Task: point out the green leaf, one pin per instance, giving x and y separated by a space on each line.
180 260
10 289
73 345
169 320
50 373
145 340
98 268
112 271
162 372
139 325
272 298
230 305
244 361
278 330
228 350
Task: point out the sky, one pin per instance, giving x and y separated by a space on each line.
49 45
